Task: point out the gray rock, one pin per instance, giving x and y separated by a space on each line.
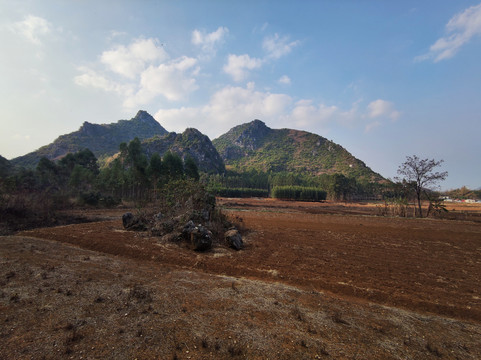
187 229
158 217
132 222
234 239
206 214
160 228
201 238
127 220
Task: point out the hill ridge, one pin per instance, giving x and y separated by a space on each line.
255 146
102 139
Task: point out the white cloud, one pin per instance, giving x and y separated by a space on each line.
460 29
131 60
284 79
238 66
173 80
371 126
305 113
379 109
208 42
276 46
382 108
116 34
234 105
90 78
227 107
146 73
21 137
33 28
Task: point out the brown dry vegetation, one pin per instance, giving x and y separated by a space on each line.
315 280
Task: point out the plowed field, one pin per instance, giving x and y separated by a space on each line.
382 282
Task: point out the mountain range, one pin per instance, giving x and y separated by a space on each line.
250 146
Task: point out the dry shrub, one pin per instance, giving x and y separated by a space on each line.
393 207
25 210
140 294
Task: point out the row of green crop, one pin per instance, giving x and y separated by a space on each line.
279 192
240 192
298 193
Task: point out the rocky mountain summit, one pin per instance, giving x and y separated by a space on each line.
102 139
256 146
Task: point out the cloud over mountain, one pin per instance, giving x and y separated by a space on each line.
131 60
146 72
238 66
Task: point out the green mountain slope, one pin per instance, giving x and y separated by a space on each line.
5 166
190 143
103 140
255 146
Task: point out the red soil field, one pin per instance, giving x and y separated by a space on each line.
420 264
428 267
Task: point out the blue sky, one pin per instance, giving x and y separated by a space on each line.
385 79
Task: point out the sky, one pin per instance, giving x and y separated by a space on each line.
384 79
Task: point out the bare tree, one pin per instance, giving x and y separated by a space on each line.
420 176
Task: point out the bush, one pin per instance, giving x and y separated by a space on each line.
90 198
97 199
394 207
108 201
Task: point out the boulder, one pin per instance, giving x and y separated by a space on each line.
187 229
158 217
201 238
127 220
234 239
132 222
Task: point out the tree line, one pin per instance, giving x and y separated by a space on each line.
131 175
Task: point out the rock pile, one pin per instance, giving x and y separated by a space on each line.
132 222
195 222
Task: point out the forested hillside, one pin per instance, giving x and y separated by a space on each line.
254 146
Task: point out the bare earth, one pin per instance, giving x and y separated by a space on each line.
314 281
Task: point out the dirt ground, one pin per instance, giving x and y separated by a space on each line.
315 280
